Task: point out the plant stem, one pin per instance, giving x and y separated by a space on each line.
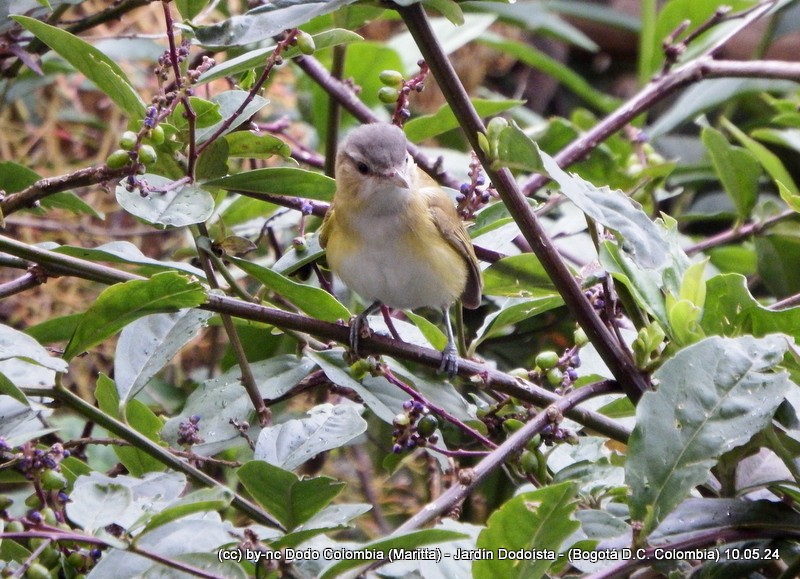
149 447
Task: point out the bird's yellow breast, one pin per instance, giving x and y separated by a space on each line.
399 258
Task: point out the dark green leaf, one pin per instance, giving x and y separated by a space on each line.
290 499
541 519
280 181
516 150
213 499
252 146
777 258
190 8
123 303
213 161
515 276
144 421
312 300
737 169
8 388
712 396
126 252
95 65
515 310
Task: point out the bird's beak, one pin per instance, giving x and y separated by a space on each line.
400 178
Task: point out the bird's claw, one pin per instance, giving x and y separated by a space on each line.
449 360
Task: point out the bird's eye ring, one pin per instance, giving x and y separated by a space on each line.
363 168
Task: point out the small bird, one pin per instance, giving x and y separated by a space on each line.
393 235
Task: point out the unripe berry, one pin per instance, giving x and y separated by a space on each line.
427 425
128 140
147 154
305 43
388 95
529 462
546 360
511 425
554 377
156 135
580 338
53 480
118 159
37 571
299 244
391 78
401 419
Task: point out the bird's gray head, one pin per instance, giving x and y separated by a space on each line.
376 149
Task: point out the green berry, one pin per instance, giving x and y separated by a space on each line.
156 135
78 559
555 377
511 425
427 425
580 338
49 516
529 462
37 571
147 154
15 527
547 359
33 501
360 369
388 95
391 78
305 42
5 502
128 140
53 480
118 159
534 442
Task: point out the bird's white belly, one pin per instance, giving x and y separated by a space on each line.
396 273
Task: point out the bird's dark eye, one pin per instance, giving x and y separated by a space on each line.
363 168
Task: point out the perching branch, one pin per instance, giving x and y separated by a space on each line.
59 264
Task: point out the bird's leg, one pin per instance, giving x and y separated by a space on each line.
450 353
358 324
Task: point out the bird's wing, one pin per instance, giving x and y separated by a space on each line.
325 228
451 227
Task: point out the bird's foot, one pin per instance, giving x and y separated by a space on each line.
359 328
449 360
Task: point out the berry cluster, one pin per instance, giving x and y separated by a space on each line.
560 373
397 90
414 427
473 195
188 432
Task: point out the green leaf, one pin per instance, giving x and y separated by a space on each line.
69 201
147 344
291 443
177 206
712 396
279 181
144 421
123 303
515 276
732 311
311 300
213 161
443 120
516 150
190 8
737 169
228 103
552 67
777 258
252 146
432 333
792 199
515 310
447 8
617 212
293 260
8 388
258 57
94 505
15 344
92 63
768 160
290 499
541 519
